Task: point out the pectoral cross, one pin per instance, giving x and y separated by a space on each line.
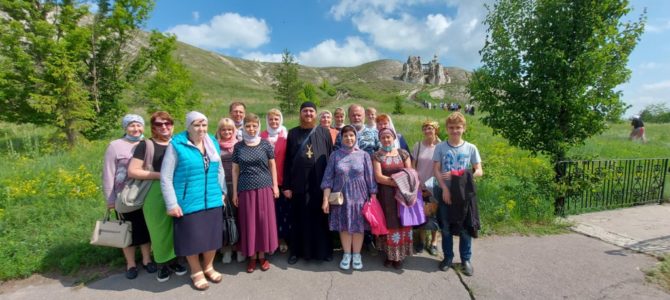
309 152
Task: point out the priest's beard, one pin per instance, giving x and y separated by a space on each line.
305 124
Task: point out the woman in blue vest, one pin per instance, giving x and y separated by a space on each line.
194 186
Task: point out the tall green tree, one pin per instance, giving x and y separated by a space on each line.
550 69
288 86
308 93
65 67
168 85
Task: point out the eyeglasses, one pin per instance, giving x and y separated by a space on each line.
161 124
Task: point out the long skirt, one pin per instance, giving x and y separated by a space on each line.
139 226
258 226
198 232
159 224
397 244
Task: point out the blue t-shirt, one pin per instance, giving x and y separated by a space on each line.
456 158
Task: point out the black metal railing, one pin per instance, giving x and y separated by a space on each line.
591 185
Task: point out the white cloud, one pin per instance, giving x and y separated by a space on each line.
657 86
328 53
196 16
224 31
264 57
456 33
658 28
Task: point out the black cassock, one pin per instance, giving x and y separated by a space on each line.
310 237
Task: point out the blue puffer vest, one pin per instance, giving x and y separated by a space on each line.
195 190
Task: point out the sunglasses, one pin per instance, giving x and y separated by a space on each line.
161 124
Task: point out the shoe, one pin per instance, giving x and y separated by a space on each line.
357 261
178 269
292 259
467 268
345 264
432 250
150 267
445 264
240 258
388 263
199 284
213 276
227 257
163 274
283 247
397 265
265 264
251 265
131 273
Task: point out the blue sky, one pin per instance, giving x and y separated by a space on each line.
351 32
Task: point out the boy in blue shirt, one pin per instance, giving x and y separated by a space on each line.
454 155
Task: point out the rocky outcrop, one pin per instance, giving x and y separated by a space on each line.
414 71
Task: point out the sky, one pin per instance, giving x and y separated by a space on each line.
323 33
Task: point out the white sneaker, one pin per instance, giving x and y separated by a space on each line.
357 261
346 261
240 257
227 257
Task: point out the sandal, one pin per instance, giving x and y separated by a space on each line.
251 266
283 247
200 284
213 275
265 264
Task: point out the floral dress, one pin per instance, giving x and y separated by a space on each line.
349 172
398 243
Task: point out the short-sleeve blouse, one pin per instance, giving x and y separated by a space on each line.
253 164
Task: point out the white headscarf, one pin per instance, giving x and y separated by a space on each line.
396 143
252 139
274 134
207 141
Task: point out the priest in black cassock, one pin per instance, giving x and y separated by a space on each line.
307 150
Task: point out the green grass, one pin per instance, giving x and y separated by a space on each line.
661 273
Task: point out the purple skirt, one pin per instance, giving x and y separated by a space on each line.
258 224
198 232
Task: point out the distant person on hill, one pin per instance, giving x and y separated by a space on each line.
158 222
384 121
114 177
338 118
255 189
370 117
638 132
226 134
325 120
455 164
277 135
237 110
368 138
194 188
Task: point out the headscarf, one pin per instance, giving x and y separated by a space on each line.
396 142
274 134
388 130
323 113
230 143
252 139
355 146
206 141
129 119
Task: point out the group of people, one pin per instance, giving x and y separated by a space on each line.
278 182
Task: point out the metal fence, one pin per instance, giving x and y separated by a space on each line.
591 185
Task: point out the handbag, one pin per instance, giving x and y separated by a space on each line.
112 233
131 197
373 213
230 233
336 198
412 215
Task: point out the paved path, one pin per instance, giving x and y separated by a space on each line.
567 266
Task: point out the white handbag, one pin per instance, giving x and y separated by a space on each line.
112 233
